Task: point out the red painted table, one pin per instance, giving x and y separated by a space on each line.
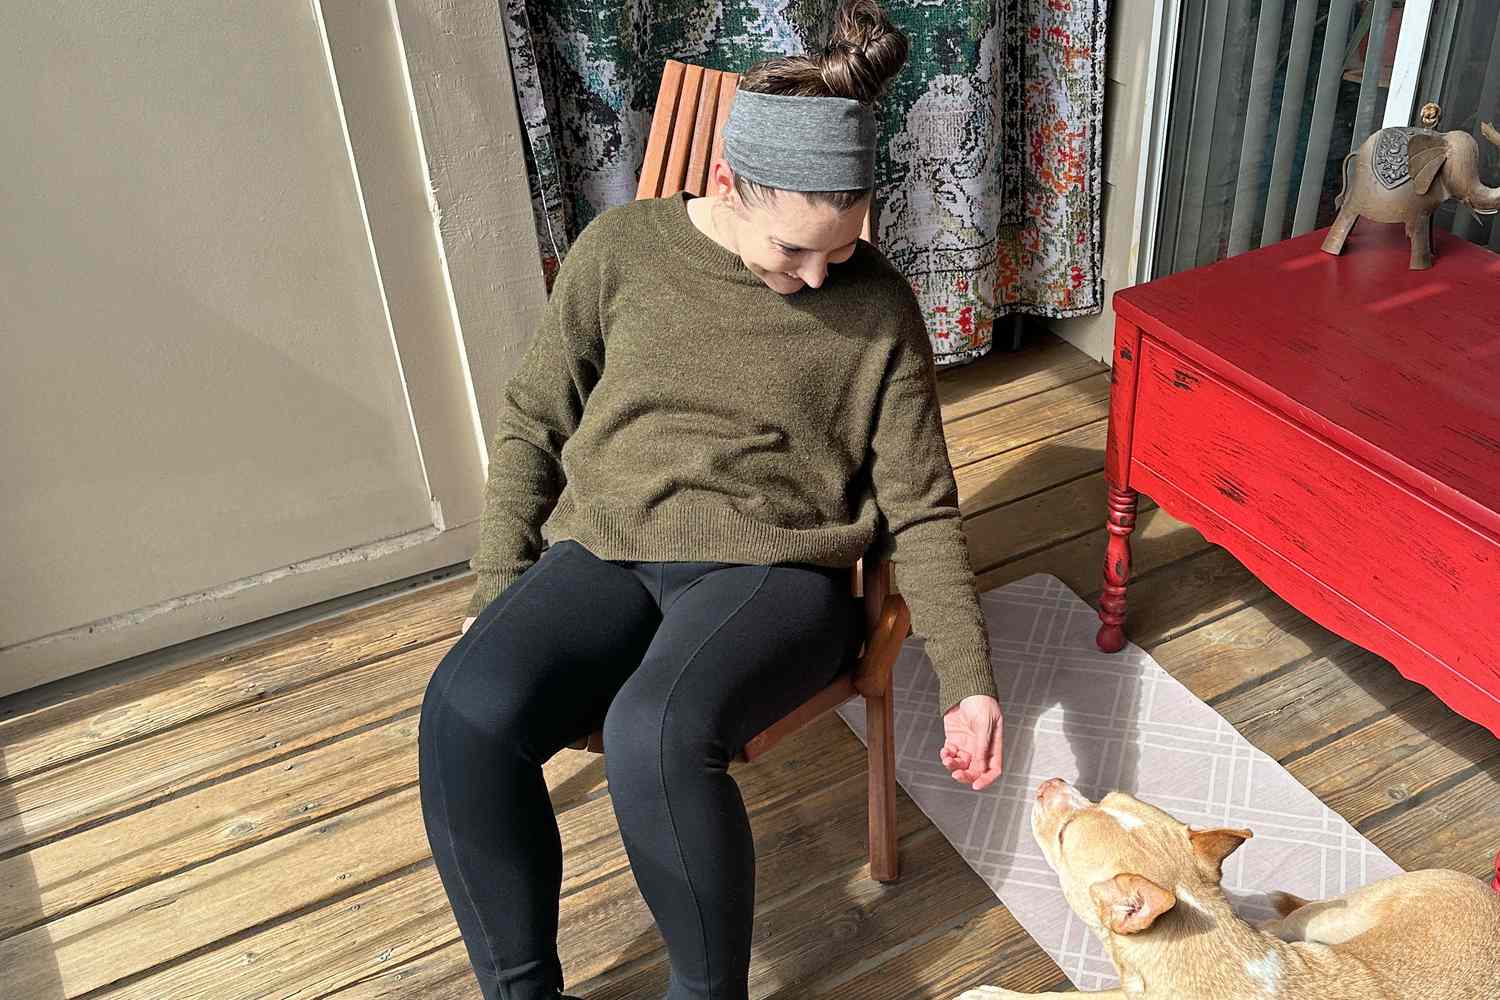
1334 422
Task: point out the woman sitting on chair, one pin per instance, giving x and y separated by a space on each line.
730 398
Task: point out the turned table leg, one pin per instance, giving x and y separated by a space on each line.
1122 499
1116 569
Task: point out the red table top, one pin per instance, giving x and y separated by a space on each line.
1399 367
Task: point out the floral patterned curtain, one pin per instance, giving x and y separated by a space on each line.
988 182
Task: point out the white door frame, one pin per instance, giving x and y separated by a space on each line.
1416 24
1166 25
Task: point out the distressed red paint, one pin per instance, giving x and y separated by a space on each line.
1335 423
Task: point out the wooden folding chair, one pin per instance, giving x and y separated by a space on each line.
686 136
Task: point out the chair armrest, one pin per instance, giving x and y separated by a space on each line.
872 675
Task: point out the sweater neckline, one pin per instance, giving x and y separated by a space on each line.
698 247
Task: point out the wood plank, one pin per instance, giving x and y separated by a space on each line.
55 734
1031 468
986 949
196 908
574 778
703 133
1454 828
1398 758
1158 541
974 438
728 83
1241 649
807 846
44 805
320 951
823 831
607 933
674 176
1293 710
64 875
1186 593
822 933
653 167
1037 522
442 974
1044 363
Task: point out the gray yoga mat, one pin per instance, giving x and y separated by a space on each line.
1107 722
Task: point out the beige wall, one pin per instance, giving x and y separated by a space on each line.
471 138
253 257
1125 120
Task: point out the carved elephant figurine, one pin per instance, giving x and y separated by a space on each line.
1403 175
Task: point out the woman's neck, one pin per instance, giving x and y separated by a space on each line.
703 212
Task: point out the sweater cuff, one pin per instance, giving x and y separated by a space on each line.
964 675
487 587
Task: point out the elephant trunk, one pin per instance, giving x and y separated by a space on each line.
1482 198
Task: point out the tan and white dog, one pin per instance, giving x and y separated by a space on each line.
1149 887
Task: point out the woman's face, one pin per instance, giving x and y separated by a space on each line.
788 241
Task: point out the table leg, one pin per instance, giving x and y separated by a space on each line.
1116 569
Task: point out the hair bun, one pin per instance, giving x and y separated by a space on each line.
864 51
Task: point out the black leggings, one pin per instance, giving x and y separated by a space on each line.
682 663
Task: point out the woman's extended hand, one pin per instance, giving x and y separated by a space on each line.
973 731
467 623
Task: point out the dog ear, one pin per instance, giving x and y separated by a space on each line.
1129 904
1211 847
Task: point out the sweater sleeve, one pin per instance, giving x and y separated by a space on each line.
915 491
541 408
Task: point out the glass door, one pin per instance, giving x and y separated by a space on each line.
1267 98
1461 72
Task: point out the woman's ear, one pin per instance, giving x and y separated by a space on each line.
720 178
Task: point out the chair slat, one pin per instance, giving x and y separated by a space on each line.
727 84
654 164
831 697
683 121
703 134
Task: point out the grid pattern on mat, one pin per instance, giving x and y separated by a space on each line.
1107 721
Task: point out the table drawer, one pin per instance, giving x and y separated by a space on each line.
1409 564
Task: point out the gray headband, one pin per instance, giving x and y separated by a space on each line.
801 143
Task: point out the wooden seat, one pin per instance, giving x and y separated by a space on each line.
686 136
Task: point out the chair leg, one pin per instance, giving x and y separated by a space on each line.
880 730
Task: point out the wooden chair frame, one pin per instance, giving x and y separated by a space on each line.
686 137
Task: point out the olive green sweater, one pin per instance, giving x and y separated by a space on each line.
673 407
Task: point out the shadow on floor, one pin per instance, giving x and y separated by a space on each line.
27 957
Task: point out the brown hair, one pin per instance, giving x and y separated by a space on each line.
864 51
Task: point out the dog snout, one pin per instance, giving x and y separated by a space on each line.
1050 787
1056 794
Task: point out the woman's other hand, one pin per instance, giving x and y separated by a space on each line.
467 623
973 731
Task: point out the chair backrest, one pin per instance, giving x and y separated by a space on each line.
687 132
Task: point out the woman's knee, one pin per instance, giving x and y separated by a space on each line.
468 702
648 733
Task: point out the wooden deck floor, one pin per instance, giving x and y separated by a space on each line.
247 825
